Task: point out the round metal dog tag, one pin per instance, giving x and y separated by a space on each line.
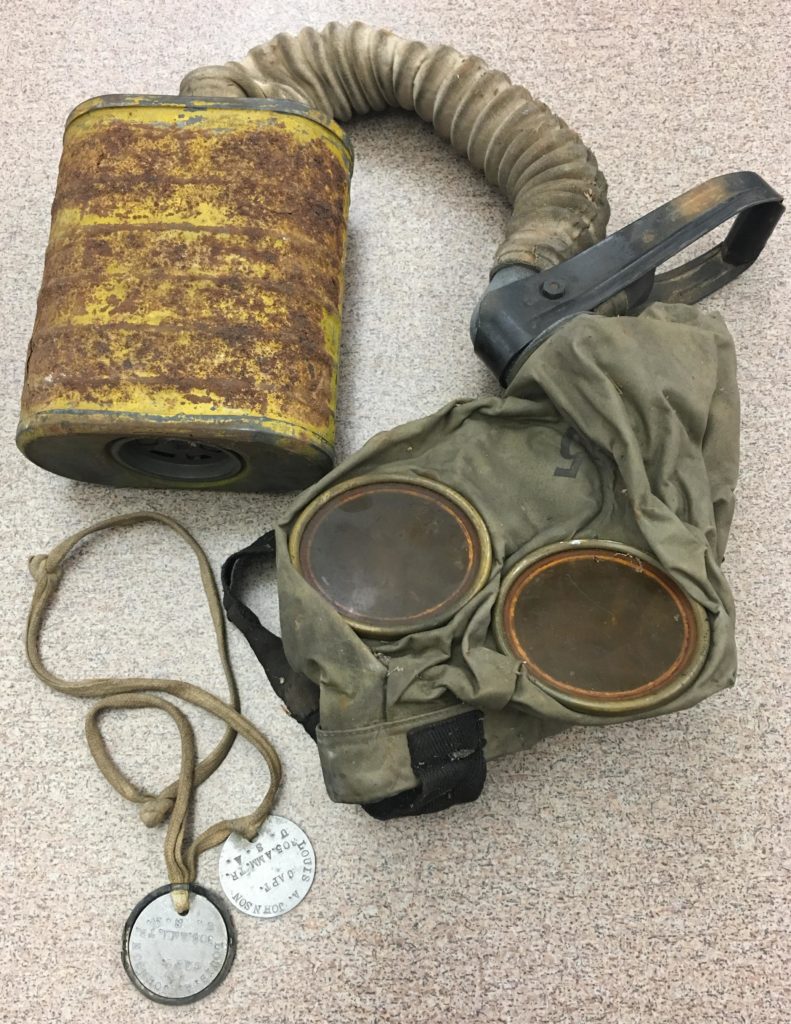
392 554
174 958
272 874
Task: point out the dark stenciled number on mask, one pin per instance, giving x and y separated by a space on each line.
571 437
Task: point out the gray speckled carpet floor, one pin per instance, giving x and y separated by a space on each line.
627 875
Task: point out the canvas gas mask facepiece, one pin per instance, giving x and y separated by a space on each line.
471 582
467 583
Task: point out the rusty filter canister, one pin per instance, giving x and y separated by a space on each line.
188 322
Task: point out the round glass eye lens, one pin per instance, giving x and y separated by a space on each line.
600 625
392 556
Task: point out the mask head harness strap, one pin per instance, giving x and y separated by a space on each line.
446 757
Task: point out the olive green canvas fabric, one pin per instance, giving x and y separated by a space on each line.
641 415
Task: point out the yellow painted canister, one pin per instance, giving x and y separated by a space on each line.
188 323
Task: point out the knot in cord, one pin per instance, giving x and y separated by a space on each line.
41 567
155 811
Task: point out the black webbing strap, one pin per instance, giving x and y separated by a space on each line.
446 756
298 693
448 762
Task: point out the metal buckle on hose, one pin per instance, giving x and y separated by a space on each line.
618 275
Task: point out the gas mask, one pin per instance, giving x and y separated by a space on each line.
472 582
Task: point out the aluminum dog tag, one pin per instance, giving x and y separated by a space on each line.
173 958
272 874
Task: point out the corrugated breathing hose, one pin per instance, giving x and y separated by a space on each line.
559 196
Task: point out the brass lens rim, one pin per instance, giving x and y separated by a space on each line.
476 520
643 698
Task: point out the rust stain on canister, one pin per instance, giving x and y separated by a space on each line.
192 288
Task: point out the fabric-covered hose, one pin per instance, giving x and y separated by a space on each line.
559 196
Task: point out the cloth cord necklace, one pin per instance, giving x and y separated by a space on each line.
174 800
